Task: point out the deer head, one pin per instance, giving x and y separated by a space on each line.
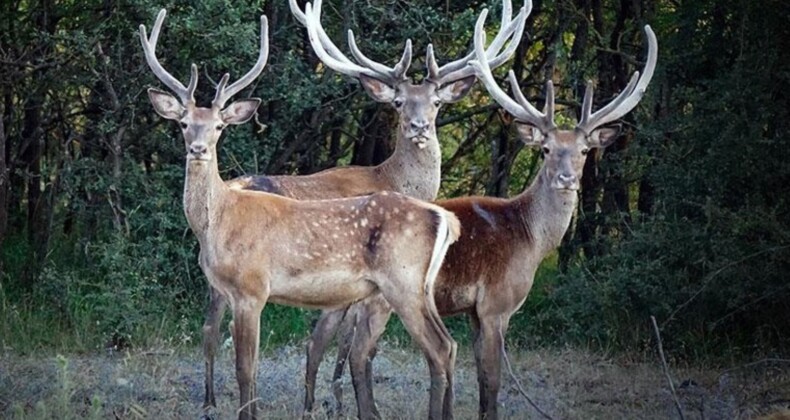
417 104
201 127
564 150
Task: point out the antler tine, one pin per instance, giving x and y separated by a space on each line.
223 94
510 29
524 112
186 95
396 73
221 88
548 107
343 66
507 10
339 62
434 72
628 98
543 120
329 46
403 65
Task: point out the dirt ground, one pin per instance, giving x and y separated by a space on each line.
567 384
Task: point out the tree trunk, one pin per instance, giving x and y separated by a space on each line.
3 184
375 133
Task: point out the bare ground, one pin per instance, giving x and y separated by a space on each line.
567 384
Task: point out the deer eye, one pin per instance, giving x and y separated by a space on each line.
183 125
220 127
398 102
437 102
545 150
585 151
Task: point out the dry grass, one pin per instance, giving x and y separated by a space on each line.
568 384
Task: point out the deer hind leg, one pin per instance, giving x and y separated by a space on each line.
437 346
246 338
372 318
211 337
346 336
323 332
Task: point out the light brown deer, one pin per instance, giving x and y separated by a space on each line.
258 247
488 273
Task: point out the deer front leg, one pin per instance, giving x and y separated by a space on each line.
323 332
373 316
246 338
211 336
487 348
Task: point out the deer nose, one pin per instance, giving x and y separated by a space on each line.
197 149
419 124
567 178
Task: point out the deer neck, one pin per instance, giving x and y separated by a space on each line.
546 213
203 195
412 170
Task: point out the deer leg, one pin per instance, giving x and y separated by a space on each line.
347 331
372 320
436 344
211 337
323 332
488 347
246 338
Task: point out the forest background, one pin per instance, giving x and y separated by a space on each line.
686 217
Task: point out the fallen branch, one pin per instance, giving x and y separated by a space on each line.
518 383
666 368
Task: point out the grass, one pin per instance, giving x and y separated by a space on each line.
567 383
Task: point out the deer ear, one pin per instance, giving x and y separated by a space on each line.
456 90
165 104
240 111
602 137
378 90
529 134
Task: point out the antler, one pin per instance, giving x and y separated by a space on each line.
521 110
186 94
333 58
508 29
224 93
627 99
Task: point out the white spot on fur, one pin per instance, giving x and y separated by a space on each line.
363 222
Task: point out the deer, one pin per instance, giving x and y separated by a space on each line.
257 247
413 169
489 272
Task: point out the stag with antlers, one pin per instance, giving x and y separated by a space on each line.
488 273
258 247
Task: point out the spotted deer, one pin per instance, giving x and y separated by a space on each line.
257 247
488 273
417 106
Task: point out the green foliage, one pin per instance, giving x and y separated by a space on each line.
105 258
711 261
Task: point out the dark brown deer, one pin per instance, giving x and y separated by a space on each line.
259 247
488 273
